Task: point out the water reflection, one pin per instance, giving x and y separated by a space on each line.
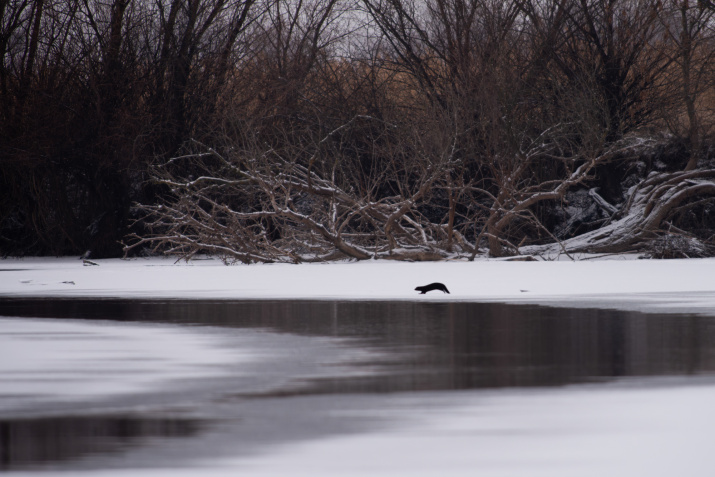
427 346
437 346
29 443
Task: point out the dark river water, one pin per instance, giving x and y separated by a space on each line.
410 346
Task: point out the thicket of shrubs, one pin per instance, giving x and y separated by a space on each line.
361 128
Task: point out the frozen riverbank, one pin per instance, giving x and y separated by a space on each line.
487 280
657 429
644 425
66 364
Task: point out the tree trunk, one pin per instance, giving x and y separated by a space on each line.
653 202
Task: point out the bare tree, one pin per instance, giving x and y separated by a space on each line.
688 27
261 204
309 130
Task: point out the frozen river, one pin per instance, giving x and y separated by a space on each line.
172 387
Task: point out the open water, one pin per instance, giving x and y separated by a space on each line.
285 369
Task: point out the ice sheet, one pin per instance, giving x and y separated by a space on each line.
380 280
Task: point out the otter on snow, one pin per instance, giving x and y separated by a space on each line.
432 286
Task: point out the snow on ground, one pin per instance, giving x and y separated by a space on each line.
573 432
579 431
49 361
378 280
651 428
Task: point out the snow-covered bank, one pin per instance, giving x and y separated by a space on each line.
49 362
655 427
655 430
595 281
78 367
579 431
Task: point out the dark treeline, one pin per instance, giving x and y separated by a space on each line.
293 130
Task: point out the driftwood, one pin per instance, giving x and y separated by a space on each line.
259 206
640 220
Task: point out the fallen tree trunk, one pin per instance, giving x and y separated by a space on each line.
258 206
518 193
639 222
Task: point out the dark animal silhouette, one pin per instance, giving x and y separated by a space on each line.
432 286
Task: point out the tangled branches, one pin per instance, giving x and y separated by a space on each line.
261 206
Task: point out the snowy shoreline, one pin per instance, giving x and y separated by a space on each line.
656 426
614 282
